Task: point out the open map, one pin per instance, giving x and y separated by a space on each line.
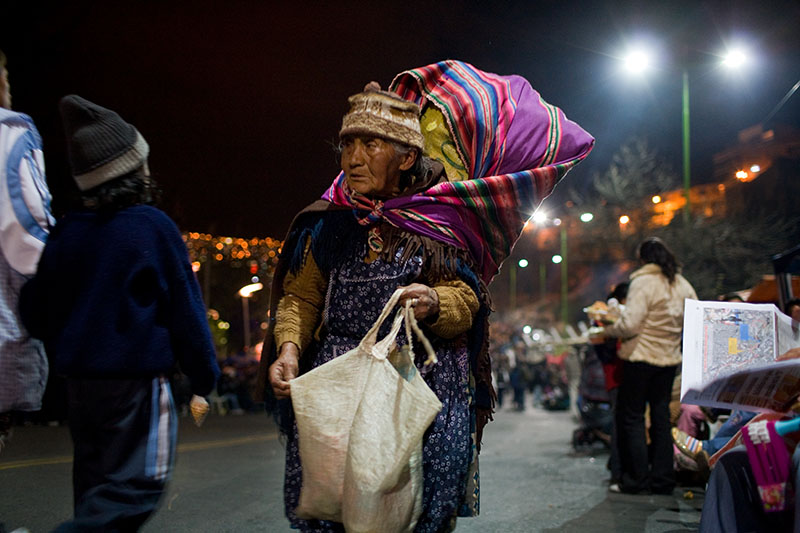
729 356
735 339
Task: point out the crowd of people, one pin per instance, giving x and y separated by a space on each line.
653 440
107 294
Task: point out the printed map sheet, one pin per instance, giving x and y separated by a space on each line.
729 353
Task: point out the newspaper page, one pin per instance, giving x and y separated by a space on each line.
729 356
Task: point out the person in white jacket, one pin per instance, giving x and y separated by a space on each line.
25 222
651 330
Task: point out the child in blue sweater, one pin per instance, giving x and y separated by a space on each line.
117 305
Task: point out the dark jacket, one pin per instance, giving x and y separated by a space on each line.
115 296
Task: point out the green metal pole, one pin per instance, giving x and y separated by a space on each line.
564 310
686 155
512 290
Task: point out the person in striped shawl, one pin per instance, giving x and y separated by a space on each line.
439 175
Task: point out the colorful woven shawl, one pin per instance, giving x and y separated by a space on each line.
516 148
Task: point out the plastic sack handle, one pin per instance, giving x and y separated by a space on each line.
370 340
411 324
380 348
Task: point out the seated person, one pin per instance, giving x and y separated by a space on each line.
733 502
701 450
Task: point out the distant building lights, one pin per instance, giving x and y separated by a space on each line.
523 263
526 329
741 175
557 259
586 217
624 219
656 199
556 221
755 168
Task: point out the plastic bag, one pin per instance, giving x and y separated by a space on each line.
360 421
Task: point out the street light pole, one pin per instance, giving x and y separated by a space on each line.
246 315
686 153
246 292
637 62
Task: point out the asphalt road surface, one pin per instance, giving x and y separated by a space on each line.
229 477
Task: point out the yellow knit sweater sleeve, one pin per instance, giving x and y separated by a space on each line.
458 305
300 309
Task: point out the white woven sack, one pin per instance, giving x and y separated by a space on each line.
383 474
325 401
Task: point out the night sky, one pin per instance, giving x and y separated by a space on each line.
242 100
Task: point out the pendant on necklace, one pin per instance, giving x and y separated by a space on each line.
374 240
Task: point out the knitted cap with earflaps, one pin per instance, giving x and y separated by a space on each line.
101 146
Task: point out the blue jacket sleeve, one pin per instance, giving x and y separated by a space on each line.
189 333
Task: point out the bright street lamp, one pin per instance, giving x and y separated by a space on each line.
523 263
557 259
637 62
539 217
248 290
734 58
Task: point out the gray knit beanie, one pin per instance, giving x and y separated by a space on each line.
101 146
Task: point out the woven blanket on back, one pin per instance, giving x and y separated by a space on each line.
516 147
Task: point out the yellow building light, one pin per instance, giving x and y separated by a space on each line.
656 199
741 175
624 219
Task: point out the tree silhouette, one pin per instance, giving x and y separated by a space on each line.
720 254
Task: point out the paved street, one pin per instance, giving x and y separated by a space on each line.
229 476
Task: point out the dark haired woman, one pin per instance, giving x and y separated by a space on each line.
117 305
650 328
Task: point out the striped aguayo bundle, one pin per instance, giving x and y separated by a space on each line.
516 147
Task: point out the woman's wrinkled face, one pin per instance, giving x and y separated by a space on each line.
371 165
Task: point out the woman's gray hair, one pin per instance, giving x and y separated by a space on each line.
420 168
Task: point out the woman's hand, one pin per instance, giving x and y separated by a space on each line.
424 300
284 369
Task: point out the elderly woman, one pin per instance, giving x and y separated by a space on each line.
356 273
397 218
651 329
